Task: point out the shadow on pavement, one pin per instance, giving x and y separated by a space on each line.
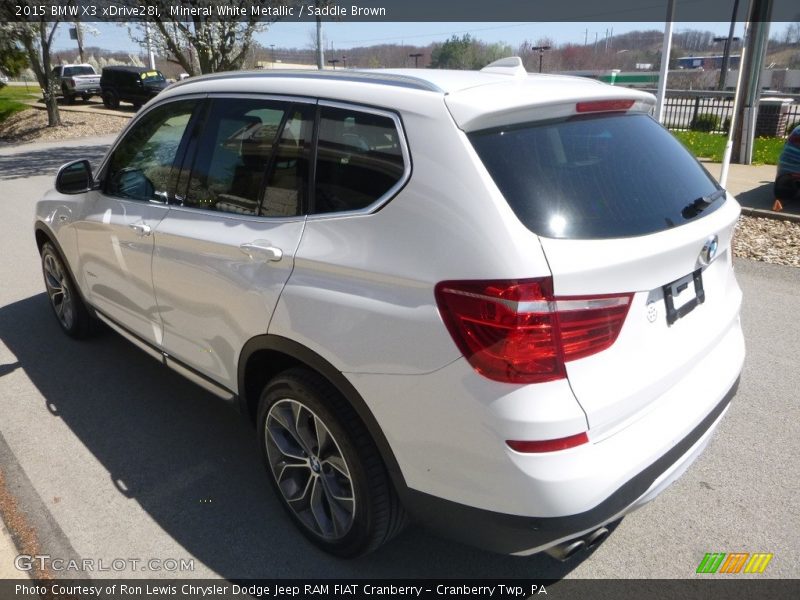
763 197
33 163
192 463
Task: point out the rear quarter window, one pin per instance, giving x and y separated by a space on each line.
596 177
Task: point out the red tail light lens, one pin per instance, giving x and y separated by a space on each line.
519 332
536 446
794 138
603 106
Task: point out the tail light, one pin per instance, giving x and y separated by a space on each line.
603 106
71 82
794 138
518 332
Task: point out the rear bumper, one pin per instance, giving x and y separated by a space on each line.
513 534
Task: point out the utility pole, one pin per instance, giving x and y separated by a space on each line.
416 56
752 61
666 49
541 50
151 59
344 61
320 47
79 39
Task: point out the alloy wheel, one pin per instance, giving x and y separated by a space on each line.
59 292
310 469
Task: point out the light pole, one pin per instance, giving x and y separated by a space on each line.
272 51
541 50
726 54
726 57
416 56
344 61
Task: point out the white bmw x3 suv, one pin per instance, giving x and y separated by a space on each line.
501 304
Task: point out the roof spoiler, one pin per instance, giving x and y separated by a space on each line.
511 65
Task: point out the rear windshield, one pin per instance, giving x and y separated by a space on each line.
72 71
603 176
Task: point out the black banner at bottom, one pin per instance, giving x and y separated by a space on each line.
729 588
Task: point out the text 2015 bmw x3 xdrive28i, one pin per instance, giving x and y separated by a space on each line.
501 304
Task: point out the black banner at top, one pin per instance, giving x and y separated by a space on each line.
388 10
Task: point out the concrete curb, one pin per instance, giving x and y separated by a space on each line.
770 214
92 109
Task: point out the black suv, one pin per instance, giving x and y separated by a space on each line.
136 85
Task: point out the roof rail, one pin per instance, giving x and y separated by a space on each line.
511 65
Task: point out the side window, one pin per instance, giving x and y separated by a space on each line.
141 165
359 159
285 192
233 155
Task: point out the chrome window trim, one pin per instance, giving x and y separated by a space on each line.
369 209
392 191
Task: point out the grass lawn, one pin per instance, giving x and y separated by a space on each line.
712 146
12 99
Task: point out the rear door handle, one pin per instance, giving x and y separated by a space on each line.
141 229
261 250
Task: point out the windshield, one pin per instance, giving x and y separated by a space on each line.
595 177
79 70
151 76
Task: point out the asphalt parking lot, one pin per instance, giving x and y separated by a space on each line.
109 455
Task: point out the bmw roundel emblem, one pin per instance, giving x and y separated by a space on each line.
709 251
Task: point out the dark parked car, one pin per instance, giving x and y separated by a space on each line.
136 85
787 180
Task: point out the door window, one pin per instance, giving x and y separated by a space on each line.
234 152
359 159
141 165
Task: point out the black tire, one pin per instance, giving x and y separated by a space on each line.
786 187
137 105
110 100
85 98
65 299
360 478
68 98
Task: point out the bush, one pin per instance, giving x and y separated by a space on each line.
726 125
706 122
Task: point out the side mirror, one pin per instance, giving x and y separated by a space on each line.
74 178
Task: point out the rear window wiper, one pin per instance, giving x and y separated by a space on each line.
694 208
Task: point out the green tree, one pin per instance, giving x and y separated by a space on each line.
203 42
13 58
35 37
466 52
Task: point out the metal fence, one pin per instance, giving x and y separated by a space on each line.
682 109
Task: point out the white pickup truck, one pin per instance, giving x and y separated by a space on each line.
77 80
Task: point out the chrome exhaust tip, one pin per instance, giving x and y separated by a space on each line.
596 537
566 550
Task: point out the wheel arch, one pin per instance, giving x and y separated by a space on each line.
44 234
265 356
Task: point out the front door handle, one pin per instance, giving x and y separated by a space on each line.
261 250
141 229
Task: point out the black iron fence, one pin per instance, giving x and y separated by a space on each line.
711 111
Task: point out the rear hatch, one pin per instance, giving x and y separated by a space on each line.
622 210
